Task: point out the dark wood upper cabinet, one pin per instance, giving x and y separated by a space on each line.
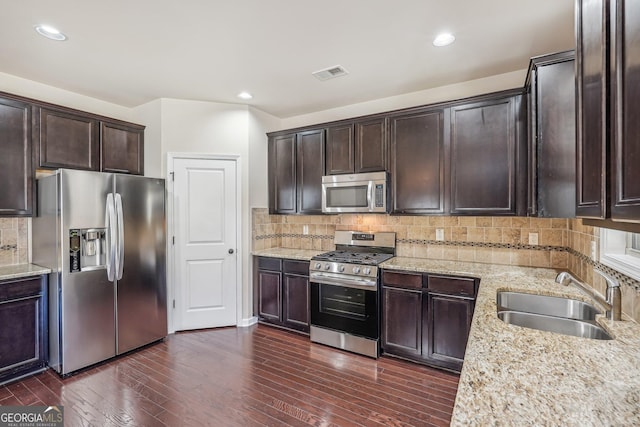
592 76
485 138
310 154
552 135
625 173
16 169
122 148
340 149
68 140
371 145
282 174
417 156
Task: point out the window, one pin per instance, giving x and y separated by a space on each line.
620 250
633 247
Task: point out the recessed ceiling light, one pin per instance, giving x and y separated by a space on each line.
50 32
443 39
245 95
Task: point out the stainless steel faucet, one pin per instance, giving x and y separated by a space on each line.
613 302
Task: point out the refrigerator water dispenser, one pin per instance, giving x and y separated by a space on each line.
87 249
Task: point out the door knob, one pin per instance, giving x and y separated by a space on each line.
230 251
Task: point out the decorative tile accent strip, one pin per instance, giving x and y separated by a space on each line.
297 236
8 247
484 245
623 279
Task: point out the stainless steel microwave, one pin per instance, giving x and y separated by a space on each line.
355 193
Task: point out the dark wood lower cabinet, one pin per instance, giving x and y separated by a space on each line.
428 325
295 307
283 293
446 324
23 327
270 284
402 326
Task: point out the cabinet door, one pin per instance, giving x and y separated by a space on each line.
417 162
592 98
371 146
555 140
340 150
269 285
16 170
625 174
122 148
401 322
22 327
282 174
296 302
68 140
484 139
446 325
309 171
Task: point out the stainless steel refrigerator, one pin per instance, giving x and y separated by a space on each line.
103 235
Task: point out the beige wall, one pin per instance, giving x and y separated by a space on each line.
31 89
496 83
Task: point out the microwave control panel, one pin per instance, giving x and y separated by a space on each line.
379 197
74 251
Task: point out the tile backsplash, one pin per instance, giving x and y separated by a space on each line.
562 243
14 241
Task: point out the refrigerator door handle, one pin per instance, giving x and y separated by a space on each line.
120 256
110 222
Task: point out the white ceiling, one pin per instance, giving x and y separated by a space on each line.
129 52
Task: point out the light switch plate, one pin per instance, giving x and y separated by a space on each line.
440 234
593 250
533 238
305 229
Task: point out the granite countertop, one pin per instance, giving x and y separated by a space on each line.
299 254
22 270
519 376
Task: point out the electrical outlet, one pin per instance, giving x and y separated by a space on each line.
440 234
533 238
305 229
593 250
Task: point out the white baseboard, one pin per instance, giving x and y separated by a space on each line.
244 323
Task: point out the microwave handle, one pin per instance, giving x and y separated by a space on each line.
370 196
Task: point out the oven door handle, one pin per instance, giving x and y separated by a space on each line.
367 285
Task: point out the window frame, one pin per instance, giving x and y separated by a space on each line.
616 252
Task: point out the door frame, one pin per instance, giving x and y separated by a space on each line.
171 227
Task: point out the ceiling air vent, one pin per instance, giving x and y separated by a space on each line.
330 73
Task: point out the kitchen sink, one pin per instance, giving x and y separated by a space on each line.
560 325
546 305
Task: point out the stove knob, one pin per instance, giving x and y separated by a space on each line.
327 267
318 266
356 270
366 271
341 268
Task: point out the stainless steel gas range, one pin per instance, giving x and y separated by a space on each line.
345 291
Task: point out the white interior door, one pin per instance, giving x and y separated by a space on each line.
205 224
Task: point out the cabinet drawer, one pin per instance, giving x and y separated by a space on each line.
266 263
452 285
402 280
296 267
20 288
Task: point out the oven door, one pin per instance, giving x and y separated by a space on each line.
345 309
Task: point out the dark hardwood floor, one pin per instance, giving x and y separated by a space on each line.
245 377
